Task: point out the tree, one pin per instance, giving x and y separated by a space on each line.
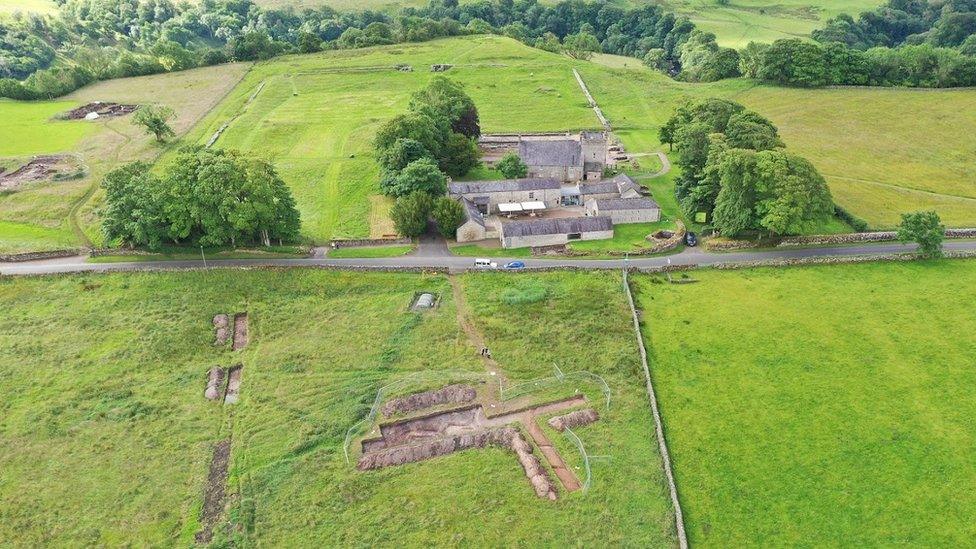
206 197
419 176
133 212
581 45
403 151
418 127
461 154
444 98
155 119
924 228
309 42
449 215
512 167
410 214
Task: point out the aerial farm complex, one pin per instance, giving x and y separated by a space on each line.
564 198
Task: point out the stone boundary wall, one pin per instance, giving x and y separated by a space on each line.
824 239
100 252
35 256
365 242
658 424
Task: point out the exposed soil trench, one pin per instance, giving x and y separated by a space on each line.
240 331
213 497
440 433
40 168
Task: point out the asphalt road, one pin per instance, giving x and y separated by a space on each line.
690 256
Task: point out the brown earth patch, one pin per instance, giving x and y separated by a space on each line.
213 496
41 168
452 394
233 384
221 324
100 108
240 331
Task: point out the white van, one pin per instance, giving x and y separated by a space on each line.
485 264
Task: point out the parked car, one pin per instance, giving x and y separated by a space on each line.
691 239
515 265
485 264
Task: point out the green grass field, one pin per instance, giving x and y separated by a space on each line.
822 406
315 116
111 371
883 151
742 21
55 215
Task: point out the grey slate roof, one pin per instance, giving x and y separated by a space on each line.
563 152
471 212
563 225
625 183
603 187
626 204
501 186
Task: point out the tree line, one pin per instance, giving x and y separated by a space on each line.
736 173
904 43
205 197
417 151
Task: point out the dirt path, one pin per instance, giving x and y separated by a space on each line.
475 337
665 166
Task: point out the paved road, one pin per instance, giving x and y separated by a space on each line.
688 257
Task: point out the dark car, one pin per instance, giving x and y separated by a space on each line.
691 239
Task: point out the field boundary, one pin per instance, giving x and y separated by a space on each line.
658 425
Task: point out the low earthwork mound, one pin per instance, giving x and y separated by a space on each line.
99 109
452 394
221 324
215 384
579 418
56 167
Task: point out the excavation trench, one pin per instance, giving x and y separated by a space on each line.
213 496
445 432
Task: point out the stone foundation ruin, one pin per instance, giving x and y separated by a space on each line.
579 418
51 167
452 394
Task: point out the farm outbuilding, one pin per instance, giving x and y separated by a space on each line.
625 210
488 196
474 227
554 232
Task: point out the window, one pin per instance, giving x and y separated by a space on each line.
531 196
574 236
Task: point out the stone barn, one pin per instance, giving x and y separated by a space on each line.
554 232
487 195
625 210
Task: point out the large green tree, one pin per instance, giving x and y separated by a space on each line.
419 176
449 215
410 213
512 167
155 120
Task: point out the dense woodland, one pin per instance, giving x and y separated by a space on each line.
904 43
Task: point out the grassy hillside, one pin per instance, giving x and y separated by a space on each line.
114 371
825 406
883 151
37 217
742 21
9 7
314 116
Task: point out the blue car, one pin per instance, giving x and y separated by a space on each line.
515 265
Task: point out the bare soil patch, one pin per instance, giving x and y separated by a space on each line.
213 496
233 384
452 394
101 109
42 168
240 331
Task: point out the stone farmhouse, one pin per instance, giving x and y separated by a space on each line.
547 212
563 157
